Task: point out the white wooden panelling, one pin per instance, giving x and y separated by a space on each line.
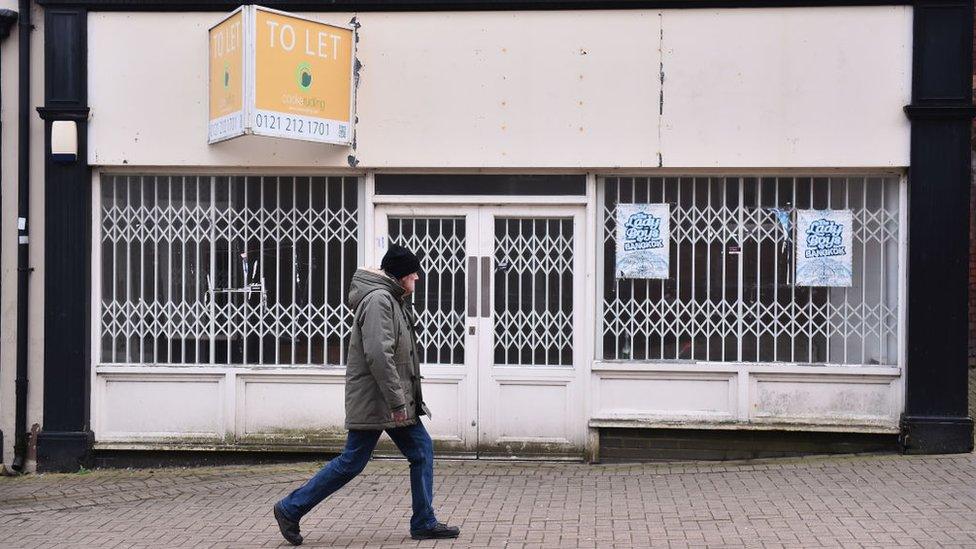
837 398
290 406
792 398
226 405
535 410
445 396
154 406
698 396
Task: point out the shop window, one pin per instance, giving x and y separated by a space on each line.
731 296
221 270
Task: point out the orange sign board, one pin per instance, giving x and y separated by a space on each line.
298 78
227 78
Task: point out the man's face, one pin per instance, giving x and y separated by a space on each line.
409 283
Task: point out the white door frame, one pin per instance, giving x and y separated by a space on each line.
459 434
484 430
493 380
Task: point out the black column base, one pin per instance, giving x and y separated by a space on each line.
936 435
64 451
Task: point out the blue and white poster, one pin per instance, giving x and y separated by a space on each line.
643 240
823 255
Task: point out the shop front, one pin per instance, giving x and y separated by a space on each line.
666 225
223 304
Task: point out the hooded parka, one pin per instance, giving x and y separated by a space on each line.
383 369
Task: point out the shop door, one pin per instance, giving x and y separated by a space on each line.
498 324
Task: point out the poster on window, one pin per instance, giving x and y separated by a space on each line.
823 255
643 240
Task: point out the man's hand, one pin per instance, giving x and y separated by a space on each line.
399 415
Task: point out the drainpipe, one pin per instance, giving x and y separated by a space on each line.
23 210
8 18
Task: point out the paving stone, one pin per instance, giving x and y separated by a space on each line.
859 501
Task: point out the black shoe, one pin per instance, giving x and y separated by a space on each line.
288 527
439 531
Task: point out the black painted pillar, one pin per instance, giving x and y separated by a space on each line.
936 413
65 441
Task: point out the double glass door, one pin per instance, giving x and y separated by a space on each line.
499 319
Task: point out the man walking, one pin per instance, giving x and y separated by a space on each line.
383 392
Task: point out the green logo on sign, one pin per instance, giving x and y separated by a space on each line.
304 76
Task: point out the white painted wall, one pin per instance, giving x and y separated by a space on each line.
9 88
818 87
798 87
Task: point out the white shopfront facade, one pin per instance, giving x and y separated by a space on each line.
498 145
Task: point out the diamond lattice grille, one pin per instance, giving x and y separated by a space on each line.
226 270
439 242
533 307
730 296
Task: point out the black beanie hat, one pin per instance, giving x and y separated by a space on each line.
400 262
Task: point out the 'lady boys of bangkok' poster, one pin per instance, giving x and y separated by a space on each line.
643 240
823 254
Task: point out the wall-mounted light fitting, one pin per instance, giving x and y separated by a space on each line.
64 141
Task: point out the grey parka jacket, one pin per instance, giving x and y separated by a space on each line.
383 369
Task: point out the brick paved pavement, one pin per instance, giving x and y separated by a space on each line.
860 501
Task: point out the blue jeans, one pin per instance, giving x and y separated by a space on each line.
413 442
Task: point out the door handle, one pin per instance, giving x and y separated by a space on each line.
472 286
485 286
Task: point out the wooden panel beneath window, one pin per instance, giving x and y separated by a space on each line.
746 396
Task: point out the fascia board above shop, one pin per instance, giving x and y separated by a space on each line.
483 102
457 5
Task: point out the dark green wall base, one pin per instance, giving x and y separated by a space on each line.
936 435
64 451
142 459
623 445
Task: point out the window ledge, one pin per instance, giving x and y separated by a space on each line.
739 367
651 422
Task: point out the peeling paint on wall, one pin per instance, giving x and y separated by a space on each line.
660 117
357 66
